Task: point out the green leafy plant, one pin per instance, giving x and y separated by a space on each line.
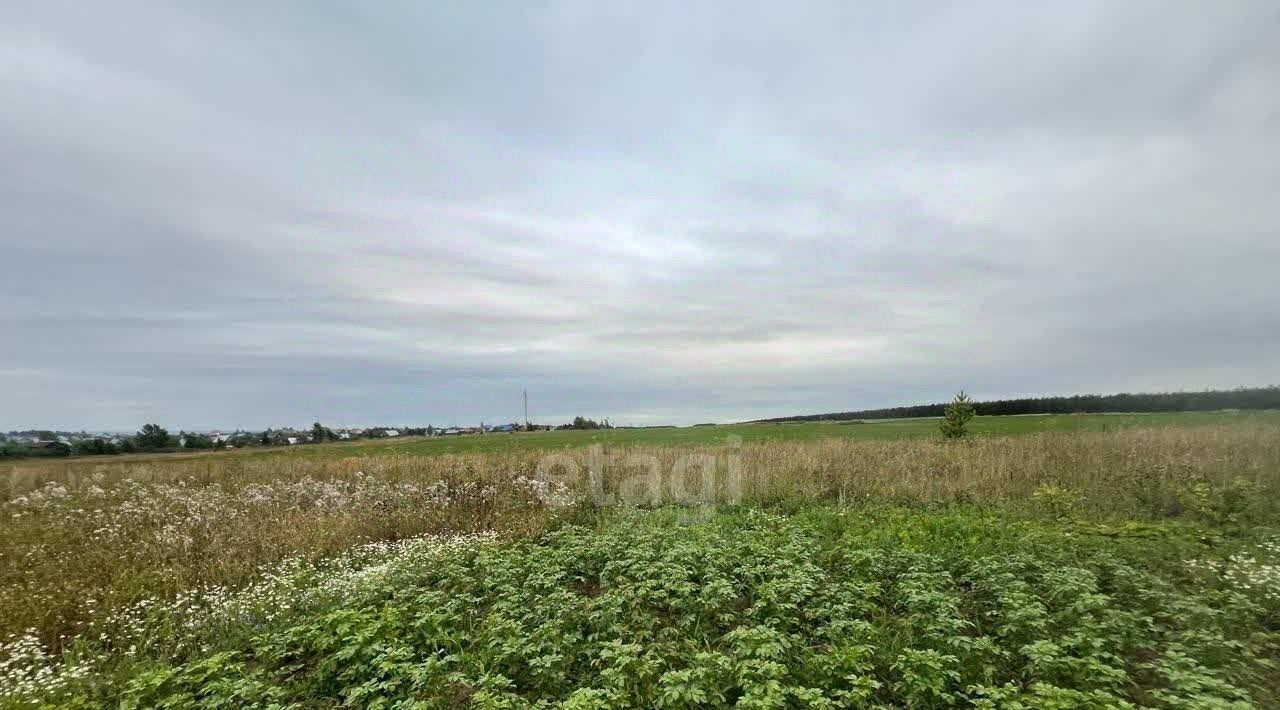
1228 504
744 608
1056 501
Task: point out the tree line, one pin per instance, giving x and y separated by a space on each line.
153 438
584 423
1207 400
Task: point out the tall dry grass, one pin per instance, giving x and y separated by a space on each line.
83 537
1138 472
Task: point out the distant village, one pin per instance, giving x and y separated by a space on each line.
154 438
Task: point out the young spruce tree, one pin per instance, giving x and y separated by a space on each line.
955 418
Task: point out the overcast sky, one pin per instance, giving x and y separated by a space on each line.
252 214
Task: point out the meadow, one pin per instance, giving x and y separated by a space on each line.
1045 562
541 441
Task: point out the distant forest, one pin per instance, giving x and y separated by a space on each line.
1242 398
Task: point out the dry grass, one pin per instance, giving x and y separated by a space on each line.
1134 472
76 548
84 537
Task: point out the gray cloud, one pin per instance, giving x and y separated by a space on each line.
256 216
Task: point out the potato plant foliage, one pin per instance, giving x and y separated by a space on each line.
871 607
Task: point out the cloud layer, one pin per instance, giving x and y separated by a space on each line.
358 213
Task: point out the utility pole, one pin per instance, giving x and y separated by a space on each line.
526 410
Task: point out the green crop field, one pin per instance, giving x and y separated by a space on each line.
1086 561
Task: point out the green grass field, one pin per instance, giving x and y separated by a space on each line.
872 430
